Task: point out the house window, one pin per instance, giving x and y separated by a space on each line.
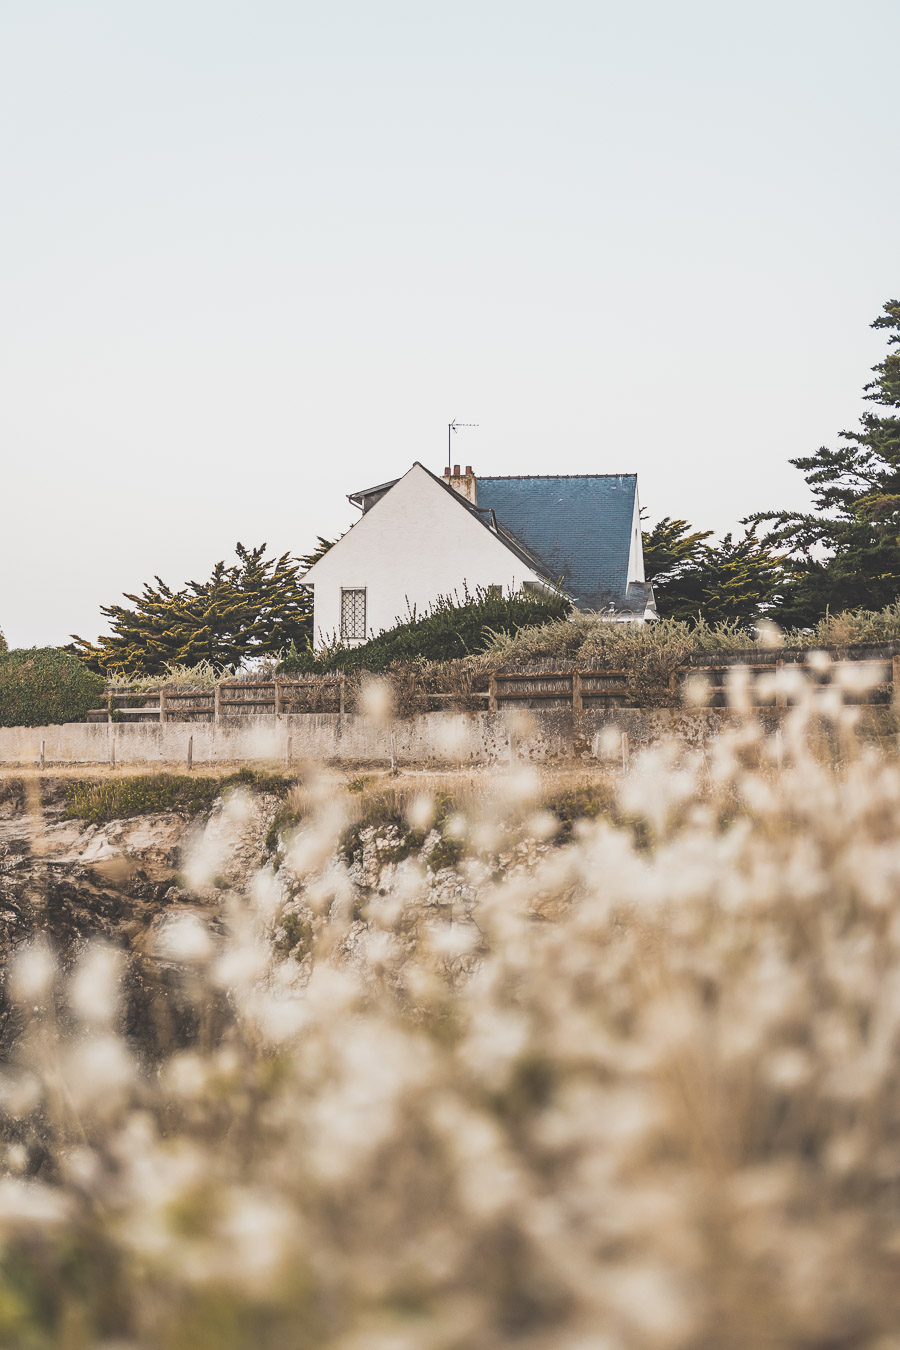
353 614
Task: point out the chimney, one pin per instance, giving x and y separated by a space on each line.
463 483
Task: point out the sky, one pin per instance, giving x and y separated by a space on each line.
256 256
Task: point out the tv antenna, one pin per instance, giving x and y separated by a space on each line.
451 427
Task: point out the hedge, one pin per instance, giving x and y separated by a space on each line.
44 686
449 630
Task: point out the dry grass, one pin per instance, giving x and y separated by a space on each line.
641 1092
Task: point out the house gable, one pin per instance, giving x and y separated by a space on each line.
417 541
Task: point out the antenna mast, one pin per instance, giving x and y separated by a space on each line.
451 428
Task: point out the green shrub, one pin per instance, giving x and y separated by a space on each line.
450 629
146 793
139 794
44 686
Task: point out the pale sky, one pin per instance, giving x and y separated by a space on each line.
256 256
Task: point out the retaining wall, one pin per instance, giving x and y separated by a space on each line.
432 738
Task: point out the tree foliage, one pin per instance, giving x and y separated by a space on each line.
451 628
44 686
256 607
845 553
734 580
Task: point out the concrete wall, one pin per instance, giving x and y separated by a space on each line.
415 544
432 738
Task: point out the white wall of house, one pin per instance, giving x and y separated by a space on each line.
416 543
636 553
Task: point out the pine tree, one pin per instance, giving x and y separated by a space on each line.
254 608
736 580
845 553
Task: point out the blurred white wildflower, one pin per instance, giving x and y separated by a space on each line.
184 937
818 661
16 1158
31 974
609 743
543 825
257 1232
769 634
99 1073
376 700
696 691
94 988
266 893
204 857
616 1095
452 736
739 689
858 677
420 811
520 787
29 1204
456 826
313 847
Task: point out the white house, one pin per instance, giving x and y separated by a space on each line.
420 537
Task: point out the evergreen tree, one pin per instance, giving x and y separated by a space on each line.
845 553
735 580
672 552
254 608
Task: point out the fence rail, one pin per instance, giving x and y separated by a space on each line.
578 689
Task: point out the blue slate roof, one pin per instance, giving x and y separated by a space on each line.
578 527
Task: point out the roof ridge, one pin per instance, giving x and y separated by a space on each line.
515 477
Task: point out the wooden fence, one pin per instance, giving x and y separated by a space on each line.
579 689
228 698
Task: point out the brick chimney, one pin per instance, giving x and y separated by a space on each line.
464 483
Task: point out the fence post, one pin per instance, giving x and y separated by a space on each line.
217 712
279 698
577 699
190 753
342 682
895 678
625 752
109 708
43 757
288 756
492 693
780 695
112 752
163 707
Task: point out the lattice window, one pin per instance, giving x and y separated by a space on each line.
353 614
